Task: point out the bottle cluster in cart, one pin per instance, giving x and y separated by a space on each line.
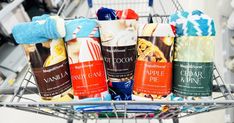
117 67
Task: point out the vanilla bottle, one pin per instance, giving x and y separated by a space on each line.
50 68
45 50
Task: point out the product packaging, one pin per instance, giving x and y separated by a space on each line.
118 41
194 54
153 72
86 61
47 56
50 67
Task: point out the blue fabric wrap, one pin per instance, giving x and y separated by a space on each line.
86 27
80 107
195 23
43 17
121 90
35 32
106 14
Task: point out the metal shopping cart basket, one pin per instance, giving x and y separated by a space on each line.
26 97
158 9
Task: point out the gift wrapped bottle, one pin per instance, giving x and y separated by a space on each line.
153 72
118 29
86 61
45 50
118 41
194 54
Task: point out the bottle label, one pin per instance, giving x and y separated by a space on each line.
87 68
153 78
153 73
192 78
53 80
119 61
88 79
50 67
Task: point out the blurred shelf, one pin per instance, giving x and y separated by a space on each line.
9 7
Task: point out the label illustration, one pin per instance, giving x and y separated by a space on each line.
153 73
50 67
87 68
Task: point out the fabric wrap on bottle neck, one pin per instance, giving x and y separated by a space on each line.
41 29
82 27
194 23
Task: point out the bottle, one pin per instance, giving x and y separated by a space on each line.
50 67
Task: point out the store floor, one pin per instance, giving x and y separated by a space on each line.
14 116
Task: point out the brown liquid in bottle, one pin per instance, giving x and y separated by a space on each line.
35 59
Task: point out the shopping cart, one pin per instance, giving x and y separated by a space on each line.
26 97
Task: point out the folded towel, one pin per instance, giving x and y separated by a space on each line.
194 23
127 14
81 28
41 29
42 17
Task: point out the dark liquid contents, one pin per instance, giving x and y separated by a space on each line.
44 51
35 59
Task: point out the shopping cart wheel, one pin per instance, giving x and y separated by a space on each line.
70 121
175 120
160 121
